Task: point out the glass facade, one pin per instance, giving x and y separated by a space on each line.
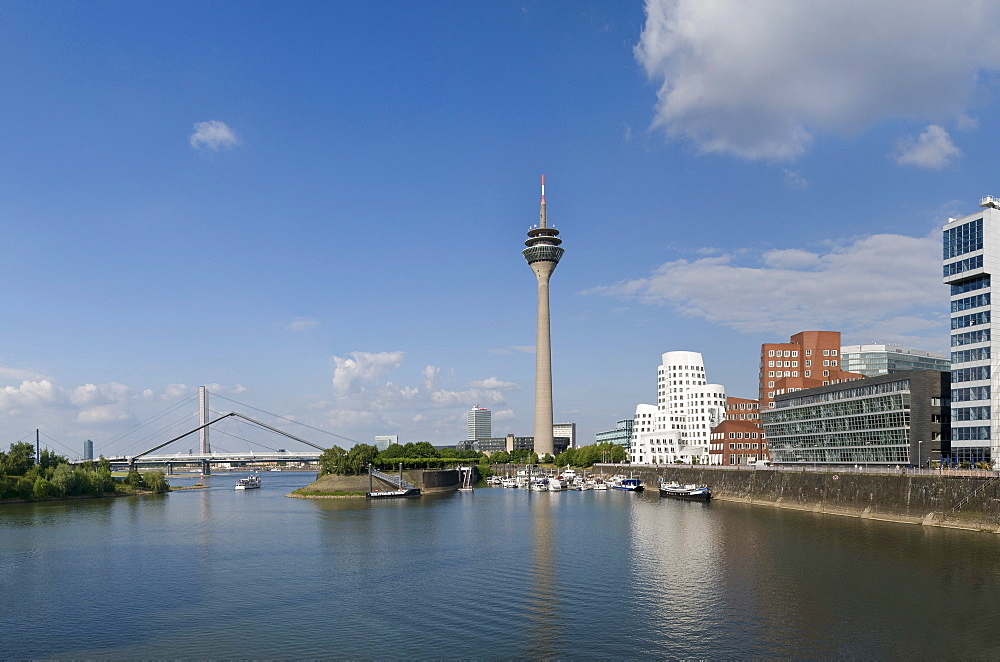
977 301
859 425
966 355
963 239
970 337
874 360
977 283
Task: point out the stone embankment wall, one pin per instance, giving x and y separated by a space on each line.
922 499
434 481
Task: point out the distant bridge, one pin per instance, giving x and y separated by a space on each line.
205 461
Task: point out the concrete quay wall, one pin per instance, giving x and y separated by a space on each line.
918 499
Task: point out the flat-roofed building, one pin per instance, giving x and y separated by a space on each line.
895 419
621 435
874 360
807 360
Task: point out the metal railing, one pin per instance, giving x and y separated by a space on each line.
393 479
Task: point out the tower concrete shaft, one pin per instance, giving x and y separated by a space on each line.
543 254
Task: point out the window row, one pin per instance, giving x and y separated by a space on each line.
977 283
970 394
974 319
970 337
974 374
970 414
975 433
785 352
977 301
966 355
968 264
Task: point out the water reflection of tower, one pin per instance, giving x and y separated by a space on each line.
543 254
543 592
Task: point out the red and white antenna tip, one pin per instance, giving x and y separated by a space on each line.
543 188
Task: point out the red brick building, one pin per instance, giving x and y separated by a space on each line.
809 359
739 438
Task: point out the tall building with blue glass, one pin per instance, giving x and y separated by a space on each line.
971 259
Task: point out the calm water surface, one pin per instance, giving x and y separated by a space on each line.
496 573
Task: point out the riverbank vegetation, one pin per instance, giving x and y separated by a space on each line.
51 476
419 455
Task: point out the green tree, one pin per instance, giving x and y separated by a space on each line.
566 458
24 488
420 449
63 481
359 457
103 463
49 459
19 459
500 457
333 461
157 482
134 479
547 459
41 488
393 450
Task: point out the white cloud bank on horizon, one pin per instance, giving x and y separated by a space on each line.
884 286
757 79
213 135
365 399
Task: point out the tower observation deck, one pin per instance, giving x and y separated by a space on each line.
543 254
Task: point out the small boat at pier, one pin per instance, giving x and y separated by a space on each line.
686 492
394 494
248 483
628 484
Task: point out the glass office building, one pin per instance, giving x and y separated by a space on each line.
874 360
897 419
971 255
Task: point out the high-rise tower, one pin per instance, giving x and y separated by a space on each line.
543 254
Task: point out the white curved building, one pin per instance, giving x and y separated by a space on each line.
686 410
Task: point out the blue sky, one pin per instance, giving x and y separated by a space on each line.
318 208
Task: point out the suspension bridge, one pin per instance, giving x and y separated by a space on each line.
206 458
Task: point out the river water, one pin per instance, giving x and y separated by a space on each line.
220 573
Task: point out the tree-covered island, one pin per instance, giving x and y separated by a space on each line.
51 476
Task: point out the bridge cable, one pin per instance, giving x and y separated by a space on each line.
290 420
148 421
54 441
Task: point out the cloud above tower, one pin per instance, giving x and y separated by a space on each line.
757 80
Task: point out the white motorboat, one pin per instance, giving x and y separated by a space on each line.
248 483
686 492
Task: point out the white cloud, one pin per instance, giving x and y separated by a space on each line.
790 258
758 79
862 286
365 399
364 370
302 324
933 149
213 135
795 180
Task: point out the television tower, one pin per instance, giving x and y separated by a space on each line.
543 254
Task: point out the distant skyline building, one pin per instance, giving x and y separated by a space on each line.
565 430
970 258
875 359
480 422
88 450
543 254
383 441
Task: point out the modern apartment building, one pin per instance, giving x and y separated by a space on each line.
809 359
874 360
971 257
686 410
480 423
895 419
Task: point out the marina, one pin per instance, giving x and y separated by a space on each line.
768 599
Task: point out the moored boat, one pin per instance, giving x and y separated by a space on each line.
689 492
628 485
394 494
248 483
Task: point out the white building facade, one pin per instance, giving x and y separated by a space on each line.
971 257
480 423
679 426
